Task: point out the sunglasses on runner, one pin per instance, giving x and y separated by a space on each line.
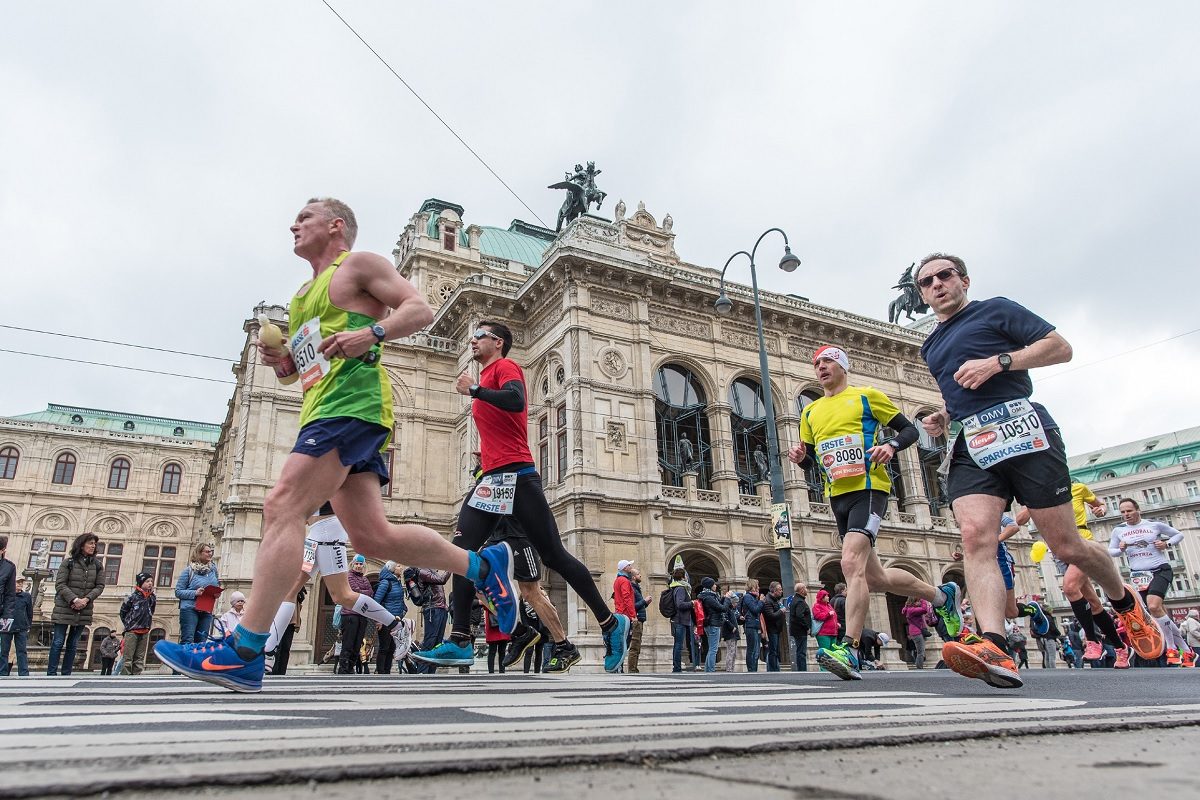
942 276
481 333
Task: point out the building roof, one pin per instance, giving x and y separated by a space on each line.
1166 446
119 422
522 242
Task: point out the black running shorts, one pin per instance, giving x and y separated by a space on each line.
1036 480
853 510
1160 584
526 567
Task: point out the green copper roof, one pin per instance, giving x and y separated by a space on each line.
1164 450
522 242
120 422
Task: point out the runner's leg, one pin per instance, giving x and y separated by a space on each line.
977 515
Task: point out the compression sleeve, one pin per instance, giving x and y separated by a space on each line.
906 432
509 397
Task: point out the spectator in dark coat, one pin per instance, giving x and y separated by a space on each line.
21 609
137 615
751 619
635 631
354 625
110 648
714 615
773 616
80 580
839 607
389 593
731 631
684 619
800 625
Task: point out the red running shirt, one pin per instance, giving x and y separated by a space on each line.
503 435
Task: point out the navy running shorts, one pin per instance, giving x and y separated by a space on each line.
357 443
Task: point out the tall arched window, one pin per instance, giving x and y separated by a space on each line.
930 452
812 473
683 439
64 469
9 458
118 474
899 490
172 475
748 421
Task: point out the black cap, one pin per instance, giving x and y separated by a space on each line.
142 577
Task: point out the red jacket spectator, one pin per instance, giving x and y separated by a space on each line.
823 611
623 591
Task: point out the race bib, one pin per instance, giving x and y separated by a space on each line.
311 365
495 494
843 457
1004 431
310 555
1141 580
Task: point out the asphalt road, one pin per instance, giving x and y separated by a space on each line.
150 735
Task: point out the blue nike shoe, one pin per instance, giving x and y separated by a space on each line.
499 593
447 654
614 644
215 661
1041 623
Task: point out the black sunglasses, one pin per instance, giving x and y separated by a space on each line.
942 276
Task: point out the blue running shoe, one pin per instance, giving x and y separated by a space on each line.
215 661
447 654
1041 623
840 660
950 613
499 593
614 644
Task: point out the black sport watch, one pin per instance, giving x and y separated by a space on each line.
1005 361
380 333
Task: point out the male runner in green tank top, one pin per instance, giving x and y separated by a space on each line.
338 322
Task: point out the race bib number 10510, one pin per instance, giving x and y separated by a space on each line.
1004 431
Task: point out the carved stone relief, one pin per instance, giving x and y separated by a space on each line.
695 529
615 437
614 307
612 362
665 319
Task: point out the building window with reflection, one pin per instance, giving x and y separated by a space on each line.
171 477
110 554
159 561
930 452
9 458
684 443
118 474
748 421
812 473
64 469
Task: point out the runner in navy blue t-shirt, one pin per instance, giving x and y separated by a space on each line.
1007 447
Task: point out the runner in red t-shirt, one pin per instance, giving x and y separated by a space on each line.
511 489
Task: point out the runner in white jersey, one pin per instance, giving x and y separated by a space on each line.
325 555
1144 542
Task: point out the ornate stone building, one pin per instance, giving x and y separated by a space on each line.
645 412
133 480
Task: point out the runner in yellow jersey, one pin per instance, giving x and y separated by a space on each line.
338 320
1077 587
842 432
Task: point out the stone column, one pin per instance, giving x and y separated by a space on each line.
691 483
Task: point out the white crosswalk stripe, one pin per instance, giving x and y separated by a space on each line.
186 733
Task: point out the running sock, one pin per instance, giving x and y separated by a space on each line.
248 644
941 599
1125 603
367 607
1025 610
1083 612
608 624
1000 640
283 618
460 639
1170 632
1108 627
477 568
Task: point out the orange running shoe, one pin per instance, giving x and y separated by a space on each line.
1189 659
1143 632
1173 659
976 657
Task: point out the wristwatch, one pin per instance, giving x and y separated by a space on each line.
474 388
1005 361
895 445
380 333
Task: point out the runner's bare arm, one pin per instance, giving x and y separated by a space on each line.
1049 350
377 282
1009 532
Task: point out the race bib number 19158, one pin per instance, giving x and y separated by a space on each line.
495 494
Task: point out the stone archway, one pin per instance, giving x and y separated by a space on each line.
830 575
764 569
699 565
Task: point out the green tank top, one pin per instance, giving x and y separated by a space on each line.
343 387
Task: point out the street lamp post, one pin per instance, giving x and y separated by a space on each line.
724 306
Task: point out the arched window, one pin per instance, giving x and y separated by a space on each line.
128 425
812 473
64 469
930 452
1107 475
179 430
118 474
1149 465
683 439
748 421
171 477
9 458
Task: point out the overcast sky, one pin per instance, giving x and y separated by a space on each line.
152 156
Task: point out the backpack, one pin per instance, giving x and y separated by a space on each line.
666 603
420 592
1016 638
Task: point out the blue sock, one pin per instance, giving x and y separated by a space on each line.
473 562
248 641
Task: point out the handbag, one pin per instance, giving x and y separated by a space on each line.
816 625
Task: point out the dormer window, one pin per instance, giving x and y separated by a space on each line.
449 239
1150 446
179 430
128 425
77 419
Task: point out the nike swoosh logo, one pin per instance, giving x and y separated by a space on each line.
211 667
503 591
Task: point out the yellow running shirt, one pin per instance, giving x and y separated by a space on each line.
1080 497
839 430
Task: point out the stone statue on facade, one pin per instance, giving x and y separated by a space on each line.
760 462
687 452
909 299
619 212
581 192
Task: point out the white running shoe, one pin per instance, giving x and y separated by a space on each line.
403 635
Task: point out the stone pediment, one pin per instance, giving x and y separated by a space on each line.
643 232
